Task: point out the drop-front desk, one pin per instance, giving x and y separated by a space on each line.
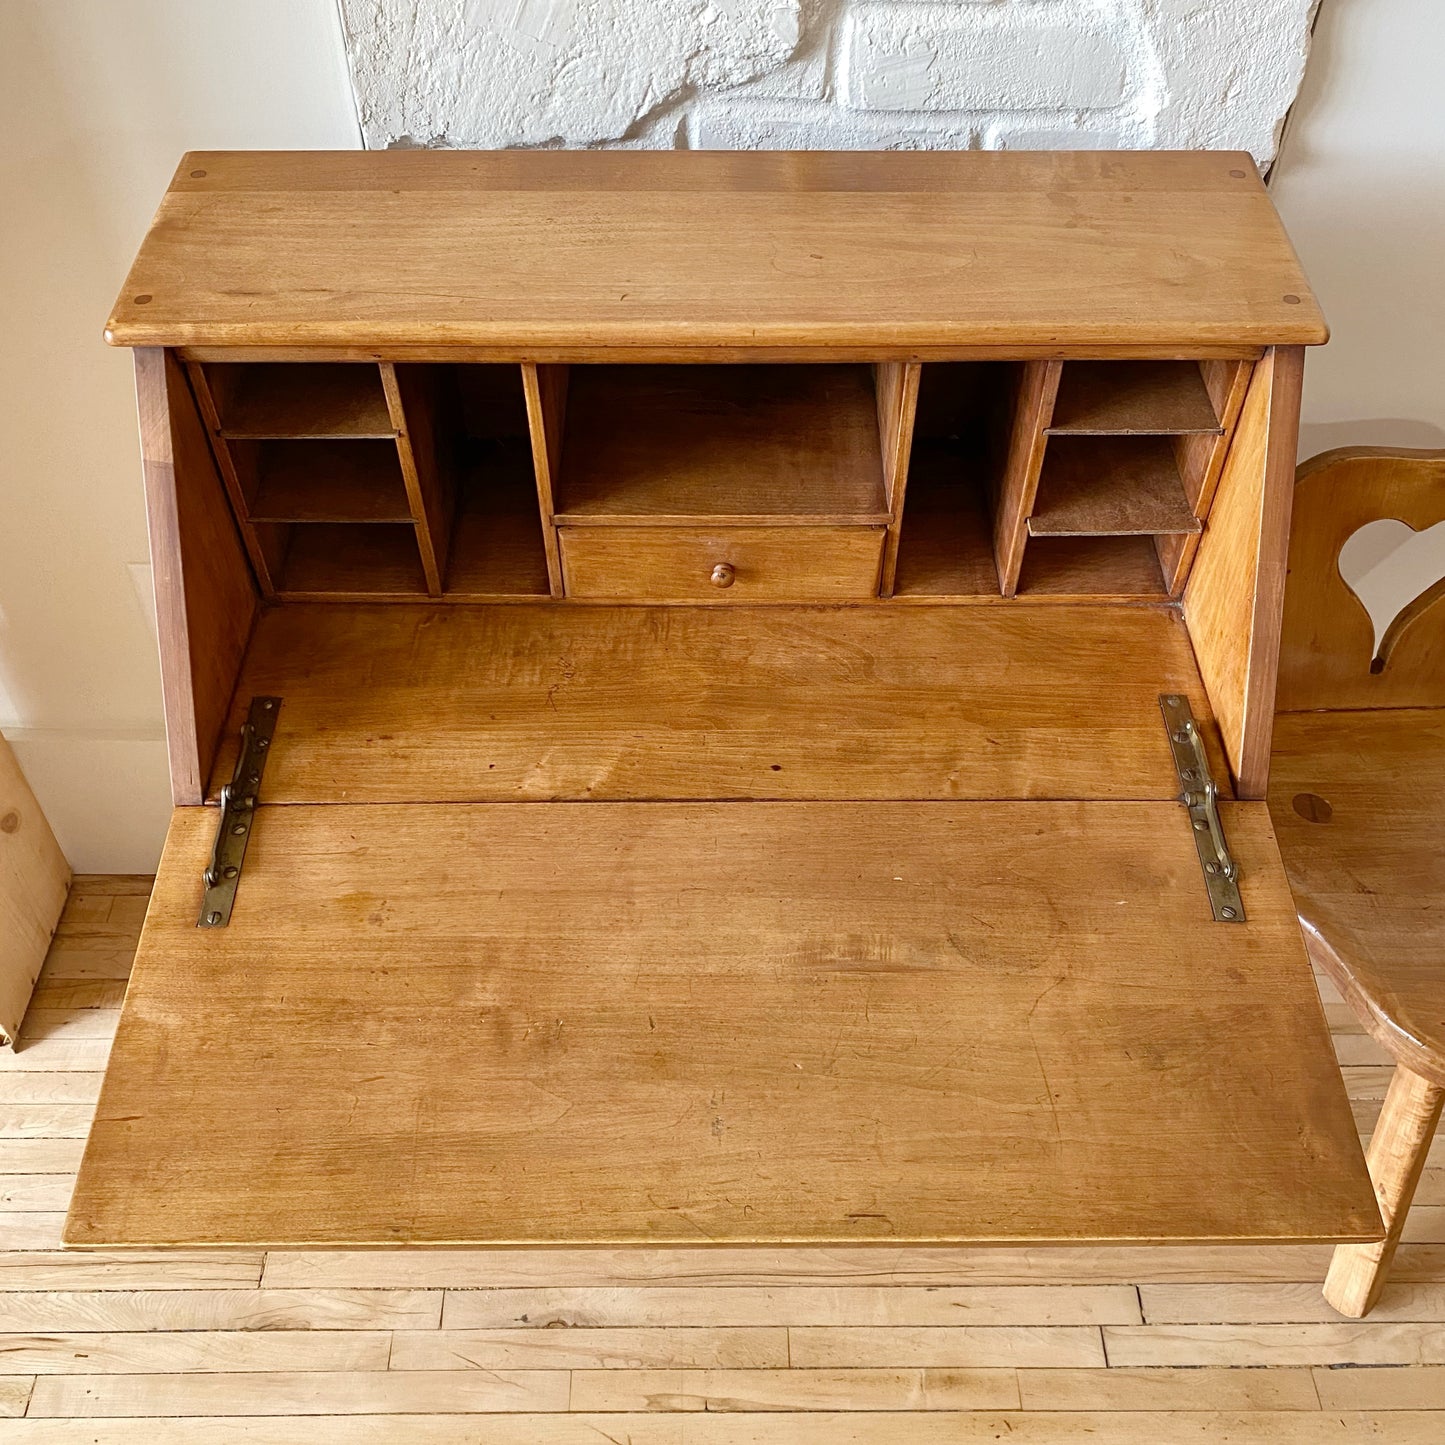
719 698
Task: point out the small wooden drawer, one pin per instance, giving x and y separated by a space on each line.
722 564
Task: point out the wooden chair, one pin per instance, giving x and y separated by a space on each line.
1357 795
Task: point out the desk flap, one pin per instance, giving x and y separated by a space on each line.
736 1022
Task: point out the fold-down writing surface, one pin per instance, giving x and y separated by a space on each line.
662 1022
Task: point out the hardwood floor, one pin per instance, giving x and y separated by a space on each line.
655 1347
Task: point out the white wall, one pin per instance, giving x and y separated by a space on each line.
1361 185
98 99
827 74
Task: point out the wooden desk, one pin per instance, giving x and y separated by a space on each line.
719 607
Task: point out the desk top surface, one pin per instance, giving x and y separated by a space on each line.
579 254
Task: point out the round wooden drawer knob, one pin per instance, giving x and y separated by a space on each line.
723 575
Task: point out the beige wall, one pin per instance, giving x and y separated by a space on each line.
1361 185
98 99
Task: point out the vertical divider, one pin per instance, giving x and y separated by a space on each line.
1234 601
545 389
265 545
896 386
1200 458
1033 409
413 398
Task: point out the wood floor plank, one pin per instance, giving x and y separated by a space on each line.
1425 1224
45 1121
40 1156
87 1056
1403 1427
291 1394
1360 1049
1344 1343
130 1270
46 1311
177 1351
1169 1389
961 1346
794 1305
15 1393
765 1265
77 993
41 1087
89 958
68 1023
1405 1387
599 1391
1203 1304
613 1349
31 1230
24 1193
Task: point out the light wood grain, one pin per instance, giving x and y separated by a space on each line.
1352 1343
1235 597
205 596
299 1393
125 1311
792 1305
765 564
694 250
1165 1388
512 703
853 1390
738 1022
959 1347
206 1351
611 1349
34 879
1329 657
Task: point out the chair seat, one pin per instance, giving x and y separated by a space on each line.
1358 802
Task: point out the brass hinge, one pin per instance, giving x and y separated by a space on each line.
238 813
1200 795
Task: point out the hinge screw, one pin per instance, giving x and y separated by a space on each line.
213 919
1226 913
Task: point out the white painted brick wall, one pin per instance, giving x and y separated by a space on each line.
827 74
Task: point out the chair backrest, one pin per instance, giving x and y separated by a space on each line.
1328 657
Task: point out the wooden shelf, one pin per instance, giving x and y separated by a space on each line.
346 561
1110 486
1104 568
662 444
497 547
328 481
1132 398
946 549
299 399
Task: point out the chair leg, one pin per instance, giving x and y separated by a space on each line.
1396 1156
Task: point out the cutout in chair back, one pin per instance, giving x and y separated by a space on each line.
1397 574
1364 616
